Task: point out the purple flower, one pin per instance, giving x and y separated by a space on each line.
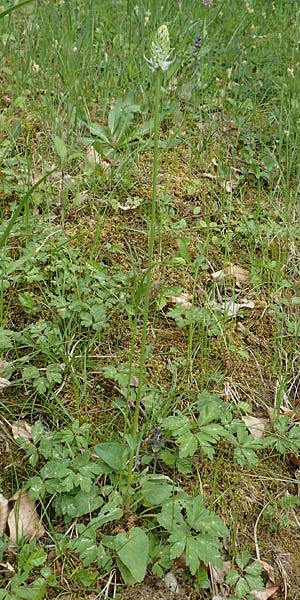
197 43
196 47
207 3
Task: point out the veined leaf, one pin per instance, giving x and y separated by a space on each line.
133 551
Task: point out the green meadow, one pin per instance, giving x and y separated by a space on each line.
149 299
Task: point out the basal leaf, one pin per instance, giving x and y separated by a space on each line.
60 148
133 552
112 453
156 489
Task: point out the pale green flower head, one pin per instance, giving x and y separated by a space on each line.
160 50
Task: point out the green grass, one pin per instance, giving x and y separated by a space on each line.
76 165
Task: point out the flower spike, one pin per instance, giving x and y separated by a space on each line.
160 50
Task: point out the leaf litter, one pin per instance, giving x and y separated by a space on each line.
3 513
238 274
21 429
23 520
257 426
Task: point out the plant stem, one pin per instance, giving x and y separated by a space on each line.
148 278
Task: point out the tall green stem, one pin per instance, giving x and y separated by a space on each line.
148 278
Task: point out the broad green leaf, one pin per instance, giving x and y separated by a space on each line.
114 116
60 147
112 453
178 425
111 511
36 488
242 587
244 456
31 557
232 576
36 591
56 468
54 373
133 553
170 517
178 542
30 372
85 545
243 559
188 445
156 489
100 132
87 578
82 503
201 548
83 482
204 520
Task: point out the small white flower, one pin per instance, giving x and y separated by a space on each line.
147 17
35 67
160 50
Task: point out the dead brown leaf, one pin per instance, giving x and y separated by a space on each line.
229 185
209 176
239 274
257 426
3 513
183 299
267 593
3 365
35 176
4 383
268 569
21 429
218 574
23 520
94 158
231 308
132 203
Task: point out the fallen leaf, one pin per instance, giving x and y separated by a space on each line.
269 569
131 203
295 460
171 583
7 99
21 429
229 185
35 176
209 176
23 520
252 337
283 411
4 383
239 274
3 365
256 425
94 158
3 513
183 299
231 308
134 382
218 573
267 593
